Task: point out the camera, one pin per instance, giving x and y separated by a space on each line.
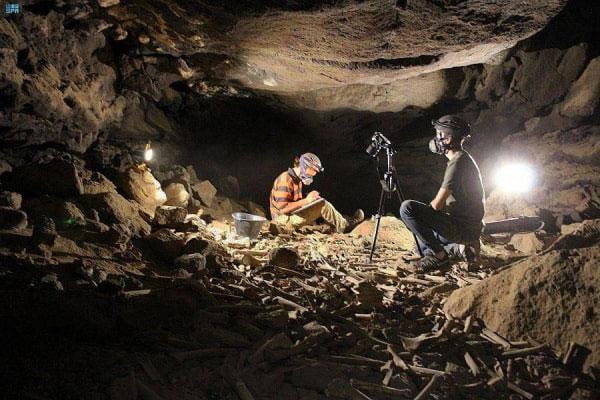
378 142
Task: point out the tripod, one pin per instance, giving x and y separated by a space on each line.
389 184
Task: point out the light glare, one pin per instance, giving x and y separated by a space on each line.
515 178
148 154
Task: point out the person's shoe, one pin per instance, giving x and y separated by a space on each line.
472 253
430 263
357 218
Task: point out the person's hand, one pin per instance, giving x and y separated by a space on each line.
312 196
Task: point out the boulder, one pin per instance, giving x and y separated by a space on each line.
166 244
44 231
95 182
64 213
10 199
141 186
584 95
114 210
51 282
527 243
56 176
256 209
108 3
176 195
12 219
4 167
192 174
198 245
284 257
174 174
205 191
169 216
229 187
552 297
191 262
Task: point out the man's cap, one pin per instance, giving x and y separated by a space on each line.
452 125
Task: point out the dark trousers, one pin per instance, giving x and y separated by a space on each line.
435 230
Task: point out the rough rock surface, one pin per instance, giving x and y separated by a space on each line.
12 219
113 209
54 87
176 195
191 262
166 244
552 297
169 216
56 176
10 199
142 187
205 191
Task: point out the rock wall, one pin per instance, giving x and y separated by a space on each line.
55 88
79 73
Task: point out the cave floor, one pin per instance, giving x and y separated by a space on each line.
288 316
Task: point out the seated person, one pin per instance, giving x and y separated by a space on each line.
286 197
440 232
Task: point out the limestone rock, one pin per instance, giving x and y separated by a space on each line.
73 101
584 95
191 262
229 187
10 199
192 174
113 209
64 213
166 244
284 257
552 297
51 281
12 219
142 187
567 229
176 195
256 209
169 216
205 191
5 167
44 231
198 245
527 243
57 176
95 182
108 3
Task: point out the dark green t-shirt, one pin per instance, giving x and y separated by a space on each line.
467 201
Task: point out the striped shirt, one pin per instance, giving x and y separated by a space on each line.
286 189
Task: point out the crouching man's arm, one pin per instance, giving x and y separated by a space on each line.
440 199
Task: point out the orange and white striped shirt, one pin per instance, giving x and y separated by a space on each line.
286 189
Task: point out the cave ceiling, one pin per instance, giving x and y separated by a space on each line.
377 55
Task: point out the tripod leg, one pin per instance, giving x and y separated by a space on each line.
401 199
378 217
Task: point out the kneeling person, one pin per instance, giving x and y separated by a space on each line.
461 224
286 197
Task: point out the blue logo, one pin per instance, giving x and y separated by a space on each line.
12 8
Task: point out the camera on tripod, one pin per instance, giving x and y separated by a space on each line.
378 142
